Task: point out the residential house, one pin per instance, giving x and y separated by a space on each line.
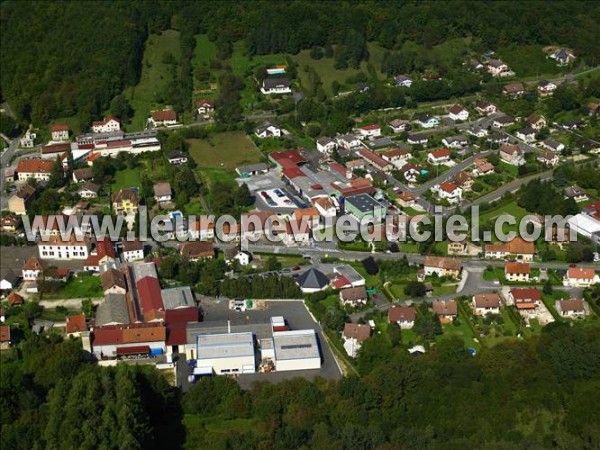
275 85
33 268
443 267
325 206
349 141
125 201
417 138
326 145
107 125
503 121
410 172
375 160
76 247
440 156
88 190
294 232
177 158
39 169
477 131
113 282
354 335
312 280
403 81
205 108
573 308
498 69
380 142
267 130
482 167
592 108
513 89
521 249
485 108
8 224
60 132
5 338
75 325
369 131
498 138
102 256
512 154
448 191
526 134
548 158
446 310
458 112
234 254
553 145
457 247
463 180
132 250
562 56
195 251
484 304
455 141
516 271
162 192
83 174
355 164
8 279
525 298
163 118
14 299
536 121
404 316
354 296
546 87
399 125
576 193
28 139
426 121
396 155
580 277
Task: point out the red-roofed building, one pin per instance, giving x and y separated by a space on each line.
163 118
287 158
525 298
108 125
448 191
111 341
369 130
150 297
404 316
440 156
40 169
375 160
90 159
60 132
515 271
103 252
54 150
580 277
205 108
76 324
14 299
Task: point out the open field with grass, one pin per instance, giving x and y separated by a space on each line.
81 286
509 209
203 53
224 150
241 62
156 75
125 179
529 61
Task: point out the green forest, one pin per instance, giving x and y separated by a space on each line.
65 59
536 393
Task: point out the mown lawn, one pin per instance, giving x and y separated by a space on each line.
224 150
462 331
241 62
213 432
82 286
529 61
510 209
203 53
156 75
125 179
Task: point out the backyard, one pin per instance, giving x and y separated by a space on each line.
82 285
224 150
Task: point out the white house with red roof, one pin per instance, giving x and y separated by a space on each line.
205 108
60 132
411 172
107 125
580 277
369 130
440 156
163 118
458 112
448 191
55 247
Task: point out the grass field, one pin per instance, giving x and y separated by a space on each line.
529 61
127 178
81 286
224 151
324 67
156 75
462 331
203 53
510 209
241 62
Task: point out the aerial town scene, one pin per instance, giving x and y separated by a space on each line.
295 225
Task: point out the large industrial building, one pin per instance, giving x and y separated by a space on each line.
230 353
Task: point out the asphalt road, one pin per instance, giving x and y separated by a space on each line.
5 158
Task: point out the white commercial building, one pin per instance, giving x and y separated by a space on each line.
230 353
296 350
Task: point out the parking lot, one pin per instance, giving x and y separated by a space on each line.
297 317
271 193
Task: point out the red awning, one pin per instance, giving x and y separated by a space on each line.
135 350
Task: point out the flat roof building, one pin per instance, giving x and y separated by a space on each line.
230 353
178 297
296 350
363 205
